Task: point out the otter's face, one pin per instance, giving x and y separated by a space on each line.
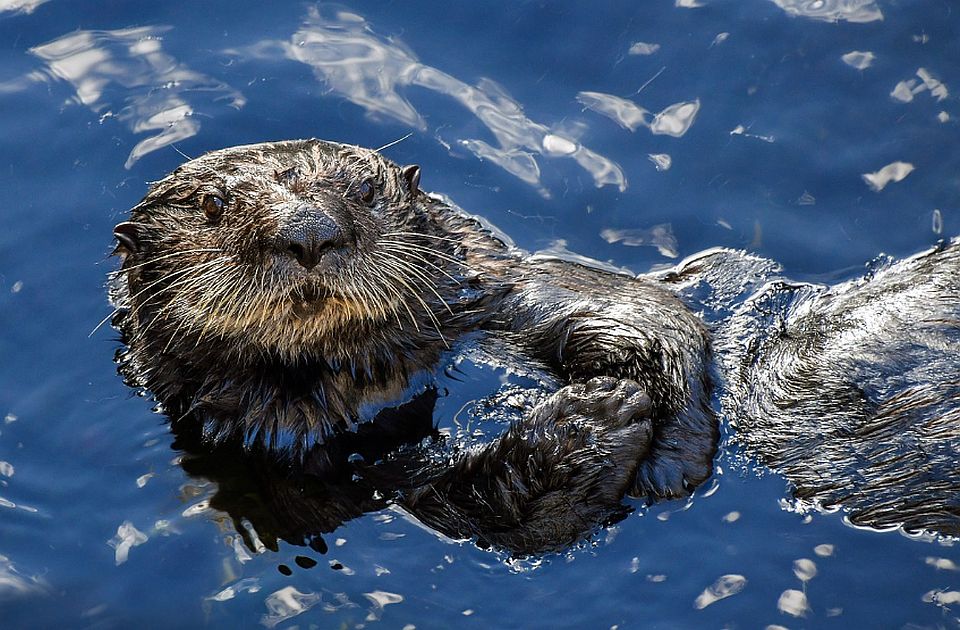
277 245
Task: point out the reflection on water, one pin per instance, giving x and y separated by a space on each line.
643 48
660 236
833 10
286 603
7 470
126 538
246 585
740 130
943 564
794 603
805 569
20 6
675 120
128 70
289 602
906 90
13 584
858 59
725 586
893 172
662 161
942 598
369 70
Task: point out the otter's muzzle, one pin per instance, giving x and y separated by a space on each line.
307 234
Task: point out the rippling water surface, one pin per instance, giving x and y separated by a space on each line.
819 133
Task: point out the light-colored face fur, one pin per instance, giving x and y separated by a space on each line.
202 261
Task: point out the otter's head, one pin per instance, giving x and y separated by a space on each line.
277 248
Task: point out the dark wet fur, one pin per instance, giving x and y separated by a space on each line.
851 391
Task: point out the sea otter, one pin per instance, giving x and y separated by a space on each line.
295 302
282 296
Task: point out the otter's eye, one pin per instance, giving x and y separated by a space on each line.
212 206
367 191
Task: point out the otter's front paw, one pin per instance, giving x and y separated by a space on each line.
551 477
604 403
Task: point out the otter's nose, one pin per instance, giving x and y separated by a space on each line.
307 235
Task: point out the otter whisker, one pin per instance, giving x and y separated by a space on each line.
424 235
147 288
356 294
392 238
400 250
379 305
170 275
230 288
377 296
398 295
400 277
388 254
380 295
388 282
199 250
394 143
425 250
185 285
250 304
416 273
240 294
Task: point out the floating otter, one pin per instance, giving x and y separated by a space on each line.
282 295
295 301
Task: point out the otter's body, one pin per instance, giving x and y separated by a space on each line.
295 298
281 295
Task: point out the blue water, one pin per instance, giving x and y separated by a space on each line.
539 117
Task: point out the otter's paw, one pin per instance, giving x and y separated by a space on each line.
551 477
603 403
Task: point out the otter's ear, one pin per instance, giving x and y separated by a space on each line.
128 238
411 173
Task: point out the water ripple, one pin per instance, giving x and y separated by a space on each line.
893 172
127 538
725 586
675 120
128 69
286 603
371 71
832 10
20 6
